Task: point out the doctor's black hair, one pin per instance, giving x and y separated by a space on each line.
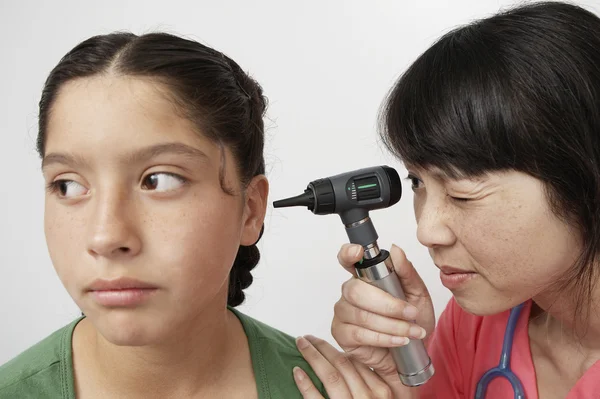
210 89
519 90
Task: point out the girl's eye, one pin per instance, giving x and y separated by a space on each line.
162 182
67 188
415 182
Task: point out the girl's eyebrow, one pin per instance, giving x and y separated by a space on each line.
138 156
63 158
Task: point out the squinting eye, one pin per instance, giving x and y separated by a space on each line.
459 199
67 188
162 182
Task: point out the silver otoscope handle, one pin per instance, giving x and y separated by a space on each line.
352 195
412 361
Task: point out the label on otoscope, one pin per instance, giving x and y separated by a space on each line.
364 188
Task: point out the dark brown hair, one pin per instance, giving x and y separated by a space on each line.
211 90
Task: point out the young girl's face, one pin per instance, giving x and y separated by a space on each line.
138 226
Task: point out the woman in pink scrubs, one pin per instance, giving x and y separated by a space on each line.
498 124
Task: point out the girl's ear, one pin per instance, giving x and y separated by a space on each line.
255 209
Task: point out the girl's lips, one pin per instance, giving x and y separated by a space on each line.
128 297
121 292
120 283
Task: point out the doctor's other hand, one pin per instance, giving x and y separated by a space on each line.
367 320
342 377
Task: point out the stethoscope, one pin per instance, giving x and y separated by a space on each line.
503 369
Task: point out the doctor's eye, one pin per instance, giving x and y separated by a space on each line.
415 182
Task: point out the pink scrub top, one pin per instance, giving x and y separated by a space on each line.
464 346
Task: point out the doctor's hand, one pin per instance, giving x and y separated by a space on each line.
342 377
367 320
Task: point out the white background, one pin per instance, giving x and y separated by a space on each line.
325 67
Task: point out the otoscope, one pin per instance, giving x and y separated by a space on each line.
352 195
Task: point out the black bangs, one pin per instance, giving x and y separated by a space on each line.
488 96
519 90
456 108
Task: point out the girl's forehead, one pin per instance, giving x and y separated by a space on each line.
117 112
107 95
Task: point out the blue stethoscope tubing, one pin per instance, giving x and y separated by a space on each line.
503 369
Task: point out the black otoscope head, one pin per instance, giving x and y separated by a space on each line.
351 195
366 189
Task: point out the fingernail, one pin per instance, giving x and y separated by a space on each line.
356 250
400 340
298 374
410 312
417 332
302 343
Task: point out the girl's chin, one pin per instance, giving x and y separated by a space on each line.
131 329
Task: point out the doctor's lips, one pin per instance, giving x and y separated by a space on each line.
121 292
453 278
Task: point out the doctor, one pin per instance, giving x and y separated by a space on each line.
498 124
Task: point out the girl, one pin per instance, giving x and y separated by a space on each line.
498 124
152 151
